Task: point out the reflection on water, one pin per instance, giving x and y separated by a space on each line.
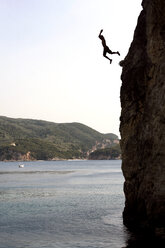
140 240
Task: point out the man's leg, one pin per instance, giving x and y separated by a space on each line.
104 54
110 52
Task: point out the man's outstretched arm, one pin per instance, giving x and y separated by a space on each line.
100 32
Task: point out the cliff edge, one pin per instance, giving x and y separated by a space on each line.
142 125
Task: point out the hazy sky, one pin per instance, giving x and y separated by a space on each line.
51 63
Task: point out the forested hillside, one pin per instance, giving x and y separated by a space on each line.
27 139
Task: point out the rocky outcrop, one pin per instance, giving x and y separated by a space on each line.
142 125
110 153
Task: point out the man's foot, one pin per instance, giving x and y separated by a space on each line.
110 61
118 53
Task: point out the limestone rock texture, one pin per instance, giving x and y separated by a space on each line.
142 125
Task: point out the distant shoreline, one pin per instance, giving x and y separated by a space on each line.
22 161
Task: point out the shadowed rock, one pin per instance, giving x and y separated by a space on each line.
142 125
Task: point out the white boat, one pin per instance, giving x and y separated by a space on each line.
21 165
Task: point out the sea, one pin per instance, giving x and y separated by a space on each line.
62 204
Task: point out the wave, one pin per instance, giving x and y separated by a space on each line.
35 172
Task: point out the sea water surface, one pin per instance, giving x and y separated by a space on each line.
62 204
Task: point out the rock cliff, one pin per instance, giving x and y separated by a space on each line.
142 125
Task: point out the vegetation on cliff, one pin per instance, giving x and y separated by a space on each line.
25 139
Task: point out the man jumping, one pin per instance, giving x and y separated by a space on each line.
106 48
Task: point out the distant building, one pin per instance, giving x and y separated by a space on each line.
116 141
13 144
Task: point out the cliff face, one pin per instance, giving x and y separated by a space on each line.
142 125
